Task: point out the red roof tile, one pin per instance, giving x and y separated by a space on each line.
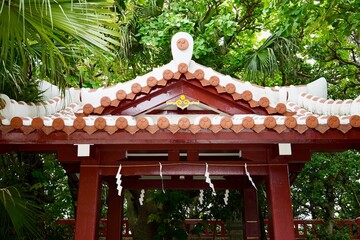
290 108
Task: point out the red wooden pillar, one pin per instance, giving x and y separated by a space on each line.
279 203
251 214
88 203
114 212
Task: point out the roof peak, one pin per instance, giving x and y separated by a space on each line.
182 45
299 100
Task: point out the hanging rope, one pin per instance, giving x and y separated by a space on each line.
141 198
118 181
208 180
249 177
162 179
201 196
226 197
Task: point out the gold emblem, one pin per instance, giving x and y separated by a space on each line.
182 102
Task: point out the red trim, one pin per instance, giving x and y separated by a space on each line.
114 212
279 201
251 219
87 215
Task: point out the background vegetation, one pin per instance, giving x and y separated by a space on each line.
96 43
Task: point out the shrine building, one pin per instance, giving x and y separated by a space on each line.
182 120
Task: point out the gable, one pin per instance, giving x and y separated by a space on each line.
140 102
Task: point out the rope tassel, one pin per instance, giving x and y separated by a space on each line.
208 180
118 181
226 197
249 177
161 176
201 196
141 198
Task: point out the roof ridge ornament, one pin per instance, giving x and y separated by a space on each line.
182 102
182 45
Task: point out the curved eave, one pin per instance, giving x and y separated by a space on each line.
312 138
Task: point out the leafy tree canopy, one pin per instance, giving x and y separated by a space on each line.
94 43
41 39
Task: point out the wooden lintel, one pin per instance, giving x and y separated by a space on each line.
184 169
294 170
173 155
187 140
192 155
299 154
40 148
112 157
67 153
7 148
296 167
71 167
259 155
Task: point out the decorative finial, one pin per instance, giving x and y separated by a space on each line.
182 45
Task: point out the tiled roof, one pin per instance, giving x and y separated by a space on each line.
296 108
175 123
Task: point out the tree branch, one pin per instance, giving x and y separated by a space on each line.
303 75
337 57
245 21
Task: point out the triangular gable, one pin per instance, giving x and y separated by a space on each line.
225 102
139 101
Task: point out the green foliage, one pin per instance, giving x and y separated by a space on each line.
328 188
225 38
218 27
38 196
328 34
276 55
222 30
17 215
29 91
171 213
93 44
40 39
318 39
176 206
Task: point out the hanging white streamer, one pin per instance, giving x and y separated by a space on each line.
226 197
141 198
201 196
249 177
118 181
208 180
161 176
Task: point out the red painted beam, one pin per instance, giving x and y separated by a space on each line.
183 168
184 139
172 146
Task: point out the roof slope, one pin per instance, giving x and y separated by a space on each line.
224 103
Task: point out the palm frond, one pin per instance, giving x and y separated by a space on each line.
264 61
54 27
20 211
